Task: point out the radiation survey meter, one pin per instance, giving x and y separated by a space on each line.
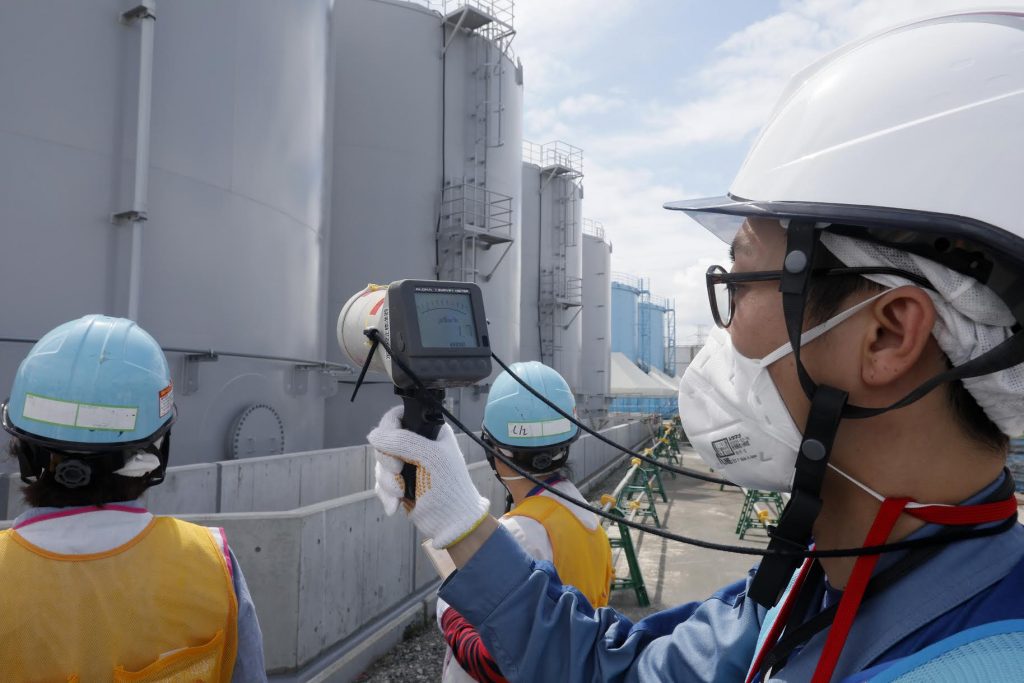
426 336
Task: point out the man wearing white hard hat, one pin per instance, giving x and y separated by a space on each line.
867 360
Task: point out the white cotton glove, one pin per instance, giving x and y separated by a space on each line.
448 506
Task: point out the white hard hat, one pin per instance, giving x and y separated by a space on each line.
913 137
911 140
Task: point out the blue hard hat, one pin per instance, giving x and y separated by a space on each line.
516 419
92 384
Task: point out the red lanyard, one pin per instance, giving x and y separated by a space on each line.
884 522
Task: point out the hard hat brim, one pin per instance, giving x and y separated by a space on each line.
989 254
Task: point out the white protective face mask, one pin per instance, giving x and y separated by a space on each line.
734 416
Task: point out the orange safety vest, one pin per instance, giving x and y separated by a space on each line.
161 607
582 556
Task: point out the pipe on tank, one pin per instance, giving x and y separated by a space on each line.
145 14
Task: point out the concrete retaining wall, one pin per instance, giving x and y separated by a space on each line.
330 568
282 482
327 571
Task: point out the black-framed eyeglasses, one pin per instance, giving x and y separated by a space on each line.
722 284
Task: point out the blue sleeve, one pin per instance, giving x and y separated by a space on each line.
537 629
249 665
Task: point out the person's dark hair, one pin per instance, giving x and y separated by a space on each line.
825 296
104 487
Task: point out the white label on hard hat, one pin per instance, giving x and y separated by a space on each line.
44 409
83 415
166 399
106 417
527 430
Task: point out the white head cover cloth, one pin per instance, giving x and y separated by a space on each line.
971 320
139 465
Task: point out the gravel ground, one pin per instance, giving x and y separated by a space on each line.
417 660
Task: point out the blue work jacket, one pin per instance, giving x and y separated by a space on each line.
539 630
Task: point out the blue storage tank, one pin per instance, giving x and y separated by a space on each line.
625 297
653 314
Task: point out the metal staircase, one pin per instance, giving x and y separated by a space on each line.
561 294
670 339
643 351
474 218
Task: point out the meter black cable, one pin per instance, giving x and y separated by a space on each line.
600 437
929 541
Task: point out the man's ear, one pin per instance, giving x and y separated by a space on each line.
899 333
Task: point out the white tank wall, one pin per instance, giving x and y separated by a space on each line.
503 156
570 326
541 212
234 233
387 176
656 336
596 321
529 282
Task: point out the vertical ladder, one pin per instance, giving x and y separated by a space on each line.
560 171
644 324
670 339
474 219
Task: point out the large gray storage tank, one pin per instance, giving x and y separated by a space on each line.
230 255
552 269
426 174
597 321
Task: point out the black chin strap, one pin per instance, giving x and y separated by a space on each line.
793 531
795 525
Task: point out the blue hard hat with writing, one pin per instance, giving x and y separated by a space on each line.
91 384
518 420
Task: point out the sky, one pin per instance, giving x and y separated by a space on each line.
665 97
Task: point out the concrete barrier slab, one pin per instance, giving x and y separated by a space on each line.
329 474
387 569
188 489
345 568
320 477
260 484
370 458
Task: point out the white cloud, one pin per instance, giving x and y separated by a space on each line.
664 246
723 101
735 91
693 312
588 103
552 34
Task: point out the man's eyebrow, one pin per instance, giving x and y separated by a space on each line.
740 245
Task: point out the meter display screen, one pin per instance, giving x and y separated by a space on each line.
445 320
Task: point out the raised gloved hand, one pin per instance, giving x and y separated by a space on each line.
447 505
